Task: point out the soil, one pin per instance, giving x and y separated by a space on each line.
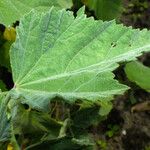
134 132
135 127
136 13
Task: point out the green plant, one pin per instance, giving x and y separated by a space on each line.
2 86
58 60
105 9
19 8
102 144
147 148
7 38
138 73
113 129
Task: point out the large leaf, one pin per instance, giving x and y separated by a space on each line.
13 10
138 73
105 9
56 54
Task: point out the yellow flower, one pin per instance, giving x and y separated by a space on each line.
10 147
10 34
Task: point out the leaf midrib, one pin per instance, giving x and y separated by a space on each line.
102 93
107 62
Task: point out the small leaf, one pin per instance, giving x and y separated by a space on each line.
86 117
138 73
105 108
2 86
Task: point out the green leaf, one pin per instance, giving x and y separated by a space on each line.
105 108
2 86
105 9
13 10
138 73
77 4
86 116
57 55
4 121
4 54
65 143
38 122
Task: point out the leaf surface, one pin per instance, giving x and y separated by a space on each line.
65 144
138 73
4 121
4 54
13 10
2 86
57 55
39 122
